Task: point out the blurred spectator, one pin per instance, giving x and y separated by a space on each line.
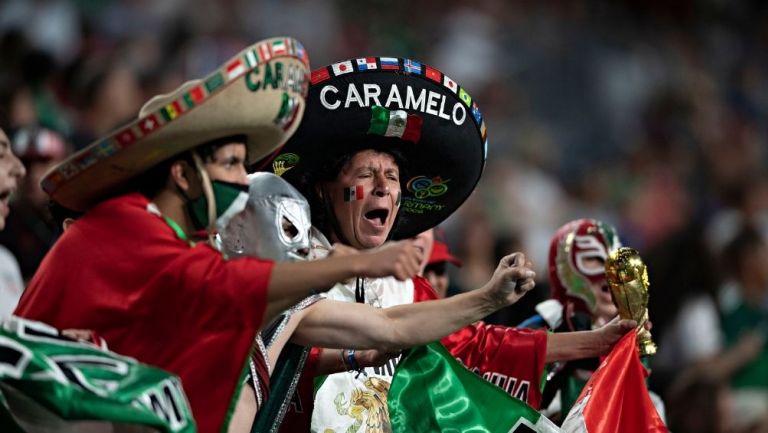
745 315
436 271
106 94
31 231
11 173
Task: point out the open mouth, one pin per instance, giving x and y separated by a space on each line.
377 216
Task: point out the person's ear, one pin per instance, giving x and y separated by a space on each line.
181 176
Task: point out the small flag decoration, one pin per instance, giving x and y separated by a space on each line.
342 68
366 63
395 123
477 114
464 96
235 68
251 59
389 63
353 193
433 74
279 47
432 392
148 124
265 52
319 75
411 66
450 84
126 137
171 111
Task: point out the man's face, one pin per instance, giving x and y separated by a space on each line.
11 172
228 164
365 198
437 275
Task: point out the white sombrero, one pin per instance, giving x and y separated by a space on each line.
258 93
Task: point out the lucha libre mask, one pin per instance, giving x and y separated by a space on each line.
275 223
571 271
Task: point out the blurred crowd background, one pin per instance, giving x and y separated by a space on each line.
649 115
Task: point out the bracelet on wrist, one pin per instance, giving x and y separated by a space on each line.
351 361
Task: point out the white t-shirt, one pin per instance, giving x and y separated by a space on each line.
348 402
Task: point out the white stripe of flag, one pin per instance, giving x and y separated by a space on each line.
235 68
250 58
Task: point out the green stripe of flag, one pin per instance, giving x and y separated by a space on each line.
379 120
431 391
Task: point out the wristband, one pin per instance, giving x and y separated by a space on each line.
351 361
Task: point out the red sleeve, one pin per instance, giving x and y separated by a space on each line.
508 357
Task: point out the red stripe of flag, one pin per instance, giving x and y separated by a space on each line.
412 130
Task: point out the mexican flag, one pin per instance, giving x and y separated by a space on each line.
615 399
51 383
432 392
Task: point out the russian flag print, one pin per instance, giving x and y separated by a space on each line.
353 193
366 63
389 63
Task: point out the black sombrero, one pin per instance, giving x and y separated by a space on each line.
387 102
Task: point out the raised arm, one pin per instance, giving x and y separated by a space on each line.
565 346
291 282
359 326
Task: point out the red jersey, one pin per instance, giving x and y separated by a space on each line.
122 272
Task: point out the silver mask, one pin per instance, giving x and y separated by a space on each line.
275 223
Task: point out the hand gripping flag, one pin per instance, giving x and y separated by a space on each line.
615 399
51 383
432 392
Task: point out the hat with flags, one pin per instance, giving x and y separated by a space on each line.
259 93
399 104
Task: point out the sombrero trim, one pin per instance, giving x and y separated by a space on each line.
407 66
146 125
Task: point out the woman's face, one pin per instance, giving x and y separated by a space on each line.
365 198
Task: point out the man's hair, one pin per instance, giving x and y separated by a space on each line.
154 179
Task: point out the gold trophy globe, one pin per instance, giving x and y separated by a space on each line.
627 278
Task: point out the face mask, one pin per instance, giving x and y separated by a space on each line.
275 223
231 199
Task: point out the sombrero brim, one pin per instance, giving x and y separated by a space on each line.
259 93
445 149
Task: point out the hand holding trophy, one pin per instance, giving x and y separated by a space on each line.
628 280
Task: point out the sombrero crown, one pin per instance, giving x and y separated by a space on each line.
393 103
259 93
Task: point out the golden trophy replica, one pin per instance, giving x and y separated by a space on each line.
628 280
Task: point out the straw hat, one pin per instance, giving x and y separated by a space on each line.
258 93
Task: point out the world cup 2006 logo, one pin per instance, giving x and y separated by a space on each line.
423 187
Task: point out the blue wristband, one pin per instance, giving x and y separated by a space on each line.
351 361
